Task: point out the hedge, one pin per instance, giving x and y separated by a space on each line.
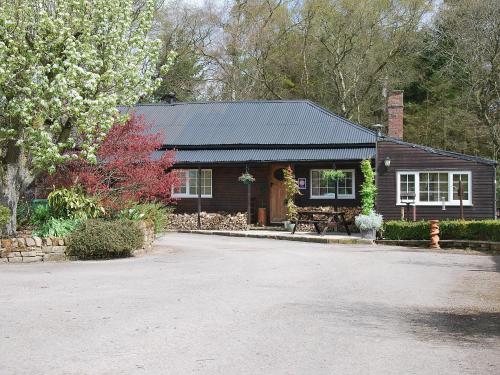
484 230
101 239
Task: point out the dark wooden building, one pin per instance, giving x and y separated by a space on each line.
220 140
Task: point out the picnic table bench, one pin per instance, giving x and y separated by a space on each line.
321 220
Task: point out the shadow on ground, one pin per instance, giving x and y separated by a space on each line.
461 326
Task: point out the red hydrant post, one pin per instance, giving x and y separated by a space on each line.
434 229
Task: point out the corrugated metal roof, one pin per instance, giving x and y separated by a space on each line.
290 122
268 155
453 154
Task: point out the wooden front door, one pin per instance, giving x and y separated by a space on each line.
277 194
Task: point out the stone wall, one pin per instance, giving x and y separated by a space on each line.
27 249
32 249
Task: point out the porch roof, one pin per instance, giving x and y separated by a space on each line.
271 155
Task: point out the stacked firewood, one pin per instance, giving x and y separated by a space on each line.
350 214
209 221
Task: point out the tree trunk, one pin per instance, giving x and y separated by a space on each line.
14 180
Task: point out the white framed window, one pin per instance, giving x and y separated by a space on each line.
430 188
323 188
188 183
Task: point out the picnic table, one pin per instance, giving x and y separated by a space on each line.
321 220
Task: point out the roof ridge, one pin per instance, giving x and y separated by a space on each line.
160 104
333 114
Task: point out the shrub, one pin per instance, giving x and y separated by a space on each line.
56 227
100 239
4 216
291 189
72 203
406 230
484 230
370 221
155 212
40 215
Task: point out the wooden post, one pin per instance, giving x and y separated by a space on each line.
461 196
434 232
249 199
199 197
414 212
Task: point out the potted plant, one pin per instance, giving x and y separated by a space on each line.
368 222
291 190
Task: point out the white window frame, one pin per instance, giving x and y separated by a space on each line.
449 202
333 195
187 194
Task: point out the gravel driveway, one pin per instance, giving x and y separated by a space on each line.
236 306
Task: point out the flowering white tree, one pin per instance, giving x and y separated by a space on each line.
65 66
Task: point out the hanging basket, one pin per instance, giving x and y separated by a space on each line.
246 178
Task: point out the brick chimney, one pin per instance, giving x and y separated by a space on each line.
395 114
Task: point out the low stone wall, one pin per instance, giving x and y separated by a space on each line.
28 249
32 249
209 221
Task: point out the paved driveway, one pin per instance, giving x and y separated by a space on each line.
220 305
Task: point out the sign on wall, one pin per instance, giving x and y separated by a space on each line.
302 183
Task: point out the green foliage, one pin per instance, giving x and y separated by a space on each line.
72 203
291 189
333 175
56 227
406 230
40 215
155 212
484 230
100 239
368 188
4 216
246 178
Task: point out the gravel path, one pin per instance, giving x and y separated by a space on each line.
237 306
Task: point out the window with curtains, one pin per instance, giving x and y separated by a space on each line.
189 184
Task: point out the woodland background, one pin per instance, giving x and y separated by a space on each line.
345 55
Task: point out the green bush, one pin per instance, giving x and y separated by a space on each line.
4 216
100 239
40 215
72 203
155 212
483 230
56 227
406 230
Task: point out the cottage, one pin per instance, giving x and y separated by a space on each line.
216 142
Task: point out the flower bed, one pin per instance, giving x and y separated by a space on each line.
27 248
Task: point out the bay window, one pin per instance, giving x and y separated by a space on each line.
324 188
432 187
188 183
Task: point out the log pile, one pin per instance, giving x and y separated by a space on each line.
209 221
350 214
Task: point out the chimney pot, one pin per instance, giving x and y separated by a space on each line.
395 114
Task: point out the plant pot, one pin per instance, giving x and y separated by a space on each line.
369 234
288 225
262 217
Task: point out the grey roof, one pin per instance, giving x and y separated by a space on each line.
287 122
268 155
437 151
